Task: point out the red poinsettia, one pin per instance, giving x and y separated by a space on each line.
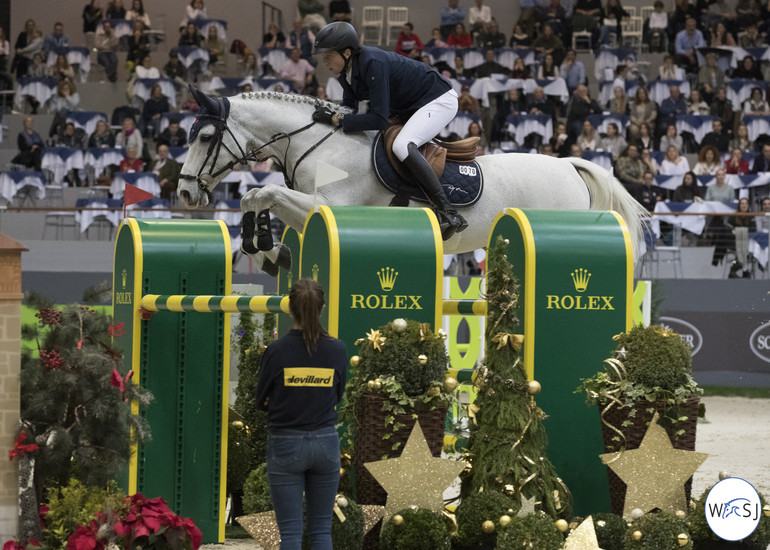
119 382
43 511
20 448
85 537
13 545
147 516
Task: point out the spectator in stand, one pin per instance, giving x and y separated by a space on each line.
302 38
528 16
717 137
214 44
670 138
313 14
572 71
555 15
250 67
189 105
61 70
755 104
28 42
614 14
520 38
132 162
512 105
668 70
588 140
474 130
274 38
541 104
37 69
650 163
720 191
548 43
490 66
587 16
575 152
460 69
723 108
190 36
762 162
561 142
686 45
751 38
578 108
435 39
167 169
154 109
613 142
479 17
742 226
173 135
138 46
710 77
137 13
547 69
683 10
30 146
102 136
408 43
671 108
57 39
146 70
629 168
492 37
339 10
708 161
696 105
718 10
129 136
657 38
451 15
748 69
70 137
674 163
92 14
741 140
298 70
736 164
175 70
688 191
460 38
720 36
65 100
647 196
106 46
619 102
467 103
115 10
193 11
520 70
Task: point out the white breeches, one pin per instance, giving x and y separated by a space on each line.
426 123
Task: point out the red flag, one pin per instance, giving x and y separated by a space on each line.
133 195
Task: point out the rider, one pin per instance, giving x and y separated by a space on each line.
394 85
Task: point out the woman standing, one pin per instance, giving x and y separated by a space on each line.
301 381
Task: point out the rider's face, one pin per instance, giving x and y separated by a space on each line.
334 61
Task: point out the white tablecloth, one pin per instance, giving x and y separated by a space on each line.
459 124
697 125
482 87
659 89
75 56
12 182
665 211
61 160
143 86
204 24
607 90
101 158
185 121
276 57
120 27
757 125
147 181
84 218
758 248
86 120
42 89
602 158
600 122
739 90
521 126
610 58
249 180
179 154
190 54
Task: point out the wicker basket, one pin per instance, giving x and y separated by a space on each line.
634 434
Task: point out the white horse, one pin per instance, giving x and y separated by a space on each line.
262 124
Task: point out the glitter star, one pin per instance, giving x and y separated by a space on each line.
621 353
527 506
583 538
655 473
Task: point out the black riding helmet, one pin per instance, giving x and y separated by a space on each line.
337 37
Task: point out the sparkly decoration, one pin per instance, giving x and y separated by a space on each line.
473 408
425 331
527 506
238 424
681 514
534 387
488 527
433 391
416 477
503 339
766 510
637 535
399 325
376 339
370 384
342 472
505 520
359 342
354 361
583 538
450 384
342 502
398 519
509 490
621 353
562 525
665 331
636 513
441 333
422 358
262 528
682 539
377 384
372 514
655 473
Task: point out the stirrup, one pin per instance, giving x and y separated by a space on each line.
450 222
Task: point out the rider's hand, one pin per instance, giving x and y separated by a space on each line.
323 115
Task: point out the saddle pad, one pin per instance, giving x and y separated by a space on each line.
462 183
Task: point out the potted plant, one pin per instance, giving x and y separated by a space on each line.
650 371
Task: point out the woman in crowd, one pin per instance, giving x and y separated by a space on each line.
756 104
519 38
154 109
720 36
547 69
115 10
708 161
520 70
28 43
274 38
650 163
671 138
613 142
741 140
736 164
102 136
30 146
250 67
194 10
66 99
61 70
669 70
474 130
741 227
619 102
303 448
696 105
674 163
92 14
645 139
129 136
435 39
460 38
588 140
190 36
642 111
748 69
138 46
688 190
720 191
137 13
214 45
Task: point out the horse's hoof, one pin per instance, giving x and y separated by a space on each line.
270 268
284 257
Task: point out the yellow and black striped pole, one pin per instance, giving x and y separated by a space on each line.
215 304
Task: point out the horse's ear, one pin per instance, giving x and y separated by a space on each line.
204 101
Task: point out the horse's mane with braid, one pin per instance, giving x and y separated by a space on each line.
295 98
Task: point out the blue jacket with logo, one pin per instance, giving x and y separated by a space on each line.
393 84
303 388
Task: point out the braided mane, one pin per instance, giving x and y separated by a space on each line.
295 98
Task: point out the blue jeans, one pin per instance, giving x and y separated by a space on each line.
304 461
109 61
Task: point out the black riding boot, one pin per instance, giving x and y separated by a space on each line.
450 221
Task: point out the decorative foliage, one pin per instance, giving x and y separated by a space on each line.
702 534
477 508
610 531
533 531
658 530
256 492
418 529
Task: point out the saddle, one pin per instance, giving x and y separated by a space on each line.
436 152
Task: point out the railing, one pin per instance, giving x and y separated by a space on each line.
271 14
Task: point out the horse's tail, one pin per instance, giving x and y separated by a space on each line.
607 193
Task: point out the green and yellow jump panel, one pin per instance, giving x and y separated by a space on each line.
575 269
182 358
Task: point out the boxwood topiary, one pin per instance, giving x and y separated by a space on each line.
535 530
421 529
659 531
656 357
704 537
610 531
256 492
474 510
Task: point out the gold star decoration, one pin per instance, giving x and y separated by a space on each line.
655 473
416 478
583 538
376 339
527 506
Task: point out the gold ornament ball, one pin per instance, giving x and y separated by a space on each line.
534 387
342 472
766 510
682 539
636 513
450 384
637 535
355 360
398 519
238 424
423 359
370 384
505 520
681 514
377 384
562 525
342 502
399 325
488 527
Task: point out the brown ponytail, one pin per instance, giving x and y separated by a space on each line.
306 301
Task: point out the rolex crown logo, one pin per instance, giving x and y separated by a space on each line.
123 277
314 271
387 277
580 278
290 279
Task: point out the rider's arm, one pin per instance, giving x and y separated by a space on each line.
375 75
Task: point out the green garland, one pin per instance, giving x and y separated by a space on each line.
532 531
419 529
610 531
475 509
658 531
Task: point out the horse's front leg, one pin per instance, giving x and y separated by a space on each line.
289 206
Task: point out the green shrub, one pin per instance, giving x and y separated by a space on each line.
475 509
256 492
532 531
610 531
422 529
660 531
702 533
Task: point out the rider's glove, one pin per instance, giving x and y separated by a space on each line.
323 115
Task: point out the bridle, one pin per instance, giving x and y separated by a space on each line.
217 143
